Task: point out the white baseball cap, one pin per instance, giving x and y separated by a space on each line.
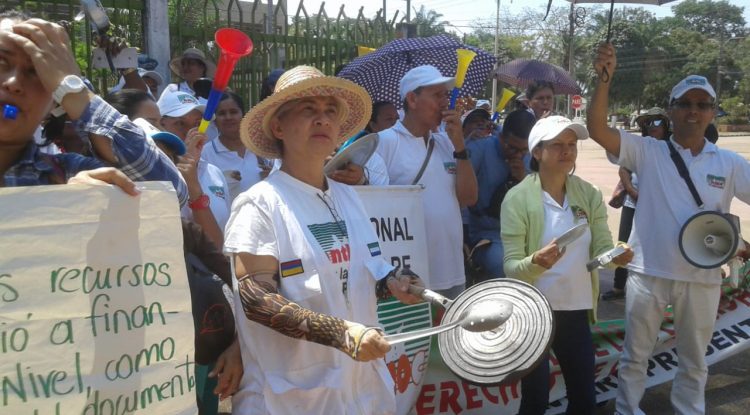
481 102
548 128
425 75
689 83
176 103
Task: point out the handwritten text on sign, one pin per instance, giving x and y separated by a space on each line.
94 304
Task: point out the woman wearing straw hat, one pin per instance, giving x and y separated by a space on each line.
191 66
307 262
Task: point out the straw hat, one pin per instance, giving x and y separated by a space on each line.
192 53
303 82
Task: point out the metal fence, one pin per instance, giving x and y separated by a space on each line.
309 37
280 40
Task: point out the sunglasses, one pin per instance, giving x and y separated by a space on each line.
654 123
686 105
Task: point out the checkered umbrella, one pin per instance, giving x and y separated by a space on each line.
379 72
522 72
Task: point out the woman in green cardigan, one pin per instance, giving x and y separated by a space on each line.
534 214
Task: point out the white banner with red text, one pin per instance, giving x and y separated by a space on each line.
443 392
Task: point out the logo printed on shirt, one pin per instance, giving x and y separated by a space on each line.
217 190
579 213
716 181
450 167
291 268
334 240
374 248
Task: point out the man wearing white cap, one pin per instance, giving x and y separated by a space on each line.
659 274
445 171
180 112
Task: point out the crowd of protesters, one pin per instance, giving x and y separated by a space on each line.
257 206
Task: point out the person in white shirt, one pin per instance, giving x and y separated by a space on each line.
240 166
659 274
180 115
448 179
535 213
191 66
307 262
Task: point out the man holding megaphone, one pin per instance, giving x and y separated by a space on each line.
681 177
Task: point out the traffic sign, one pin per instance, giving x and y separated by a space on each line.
576 102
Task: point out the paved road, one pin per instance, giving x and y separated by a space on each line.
728 389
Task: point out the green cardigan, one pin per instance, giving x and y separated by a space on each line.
522 224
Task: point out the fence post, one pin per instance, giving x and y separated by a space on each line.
156 32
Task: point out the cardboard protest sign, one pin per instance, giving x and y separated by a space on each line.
94 302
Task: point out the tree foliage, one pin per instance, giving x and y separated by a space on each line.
703 37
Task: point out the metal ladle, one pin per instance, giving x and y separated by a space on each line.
483 316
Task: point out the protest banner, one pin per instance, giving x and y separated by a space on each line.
396 214
443 392
94 302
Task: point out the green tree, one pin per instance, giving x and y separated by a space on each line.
429 22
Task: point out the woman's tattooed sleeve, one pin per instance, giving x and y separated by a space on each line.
263 304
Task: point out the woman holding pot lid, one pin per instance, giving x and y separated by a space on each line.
308 267
534 213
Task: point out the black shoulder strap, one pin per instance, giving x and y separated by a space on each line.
430 145
683 171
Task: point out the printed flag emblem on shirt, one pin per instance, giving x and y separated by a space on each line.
716 181
374 248
291 268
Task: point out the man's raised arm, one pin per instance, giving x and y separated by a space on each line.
596 117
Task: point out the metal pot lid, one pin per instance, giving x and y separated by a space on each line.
508 352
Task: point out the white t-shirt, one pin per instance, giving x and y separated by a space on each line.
309 232
665 203
229 162
215 187
403 154
377 172
567 285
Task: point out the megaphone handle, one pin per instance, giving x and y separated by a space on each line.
454 97
208 113
495 116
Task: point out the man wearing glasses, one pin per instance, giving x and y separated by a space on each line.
659 275
499 163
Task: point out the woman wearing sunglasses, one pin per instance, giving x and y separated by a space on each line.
654 123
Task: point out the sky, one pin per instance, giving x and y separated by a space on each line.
461 13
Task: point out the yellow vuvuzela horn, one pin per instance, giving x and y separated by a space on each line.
465 56
504 99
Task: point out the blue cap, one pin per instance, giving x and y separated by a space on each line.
172 141
10 112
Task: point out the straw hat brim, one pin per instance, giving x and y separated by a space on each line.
175 64
354 113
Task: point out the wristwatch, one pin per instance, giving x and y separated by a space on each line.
461 155
69 85
202 202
